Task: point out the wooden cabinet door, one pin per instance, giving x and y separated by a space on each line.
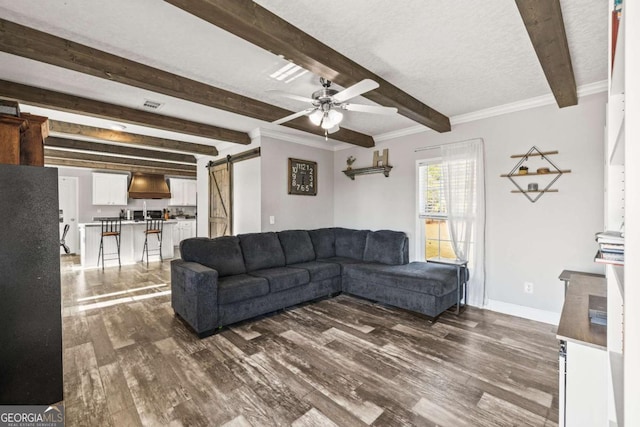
220 200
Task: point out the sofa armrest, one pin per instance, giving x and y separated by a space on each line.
194 295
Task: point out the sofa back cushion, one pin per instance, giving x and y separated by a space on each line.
297 246
324 242
350 243
222 254
261 250
386 247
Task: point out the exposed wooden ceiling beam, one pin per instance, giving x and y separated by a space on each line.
75 104
74 155
130 138
544 23
33 44
257 25
56 161
75 144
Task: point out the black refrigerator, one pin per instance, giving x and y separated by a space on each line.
30 295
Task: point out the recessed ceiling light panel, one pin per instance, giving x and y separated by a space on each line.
153 105
288 73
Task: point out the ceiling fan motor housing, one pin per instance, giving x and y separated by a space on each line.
323 96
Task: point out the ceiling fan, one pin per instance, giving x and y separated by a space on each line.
326 103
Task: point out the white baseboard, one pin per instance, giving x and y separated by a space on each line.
530 313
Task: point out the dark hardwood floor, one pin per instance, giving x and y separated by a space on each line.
129 361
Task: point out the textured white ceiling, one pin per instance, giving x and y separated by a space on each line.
456 57
456 60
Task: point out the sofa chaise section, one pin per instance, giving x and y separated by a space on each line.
422 287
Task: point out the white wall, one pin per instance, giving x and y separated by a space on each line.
525 241
294 211
247 196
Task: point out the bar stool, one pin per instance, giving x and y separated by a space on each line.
154 226
110 227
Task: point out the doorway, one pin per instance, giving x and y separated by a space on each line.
68 205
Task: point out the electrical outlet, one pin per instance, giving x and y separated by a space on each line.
99 210
528 287
272 220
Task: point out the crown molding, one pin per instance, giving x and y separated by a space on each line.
525 104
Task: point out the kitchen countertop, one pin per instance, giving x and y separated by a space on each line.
126 222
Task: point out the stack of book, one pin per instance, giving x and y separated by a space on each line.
598 310
611 247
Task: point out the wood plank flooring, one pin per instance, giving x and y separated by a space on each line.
129 361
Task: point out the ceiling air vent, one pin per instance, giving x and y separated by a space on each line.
152 104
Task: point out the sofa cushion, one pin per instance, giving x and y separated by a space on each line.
320 270
261 250
324 242
423 277
283 278
223 254
341 261
241 287
350 243
386 247
297 246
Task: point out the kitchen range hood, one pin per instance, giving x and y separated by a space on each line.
148 186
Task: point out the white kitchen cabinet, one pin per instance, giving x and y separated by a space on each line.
184 229
183 192
110 189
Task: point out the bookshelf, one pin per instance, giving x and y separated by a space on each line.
615 208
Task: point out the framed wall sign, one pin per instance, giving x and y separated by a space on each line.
303 177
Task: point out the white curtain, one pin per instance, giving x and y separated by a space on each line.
463 184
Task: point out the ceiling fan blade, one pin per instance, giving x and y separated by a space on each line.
291 96
334 129
293 116
357 89
375 109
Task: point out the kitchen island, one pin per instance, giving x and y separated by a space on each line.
131 243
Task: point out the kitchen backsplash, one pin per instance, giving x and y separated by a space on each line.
137 205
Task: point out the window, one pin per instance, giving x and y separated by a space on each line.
433 211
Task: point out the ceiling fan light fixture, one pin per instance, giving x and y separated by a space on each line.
335 116
316 117
327 123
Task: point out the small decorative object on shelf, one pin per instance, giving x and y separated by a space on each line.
379 160
350 161
522 170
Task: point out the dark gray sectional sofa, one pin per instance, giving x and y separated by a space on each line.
228 279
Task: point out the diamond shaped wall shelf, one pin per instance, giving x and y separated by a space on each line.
548 168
